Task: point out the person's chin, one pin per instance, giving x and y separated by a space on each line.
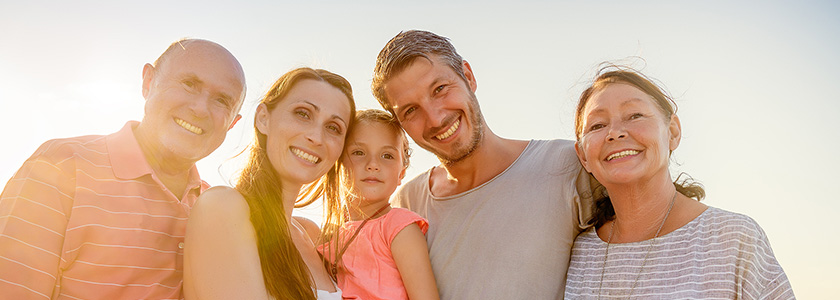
442 149
189 151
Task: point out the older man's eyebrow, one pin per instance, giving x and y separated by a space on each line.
193 77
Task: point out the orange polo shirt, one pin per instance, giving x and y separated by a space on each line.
86 218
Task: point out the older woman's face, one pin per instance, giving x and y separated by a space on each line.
625 137
305 131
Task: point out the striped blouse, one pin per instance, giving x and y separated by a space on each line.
718 255
86 218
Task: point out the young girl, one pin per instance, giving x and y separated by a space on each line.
380 252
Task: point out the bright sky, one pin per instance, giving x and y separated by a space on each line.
755 84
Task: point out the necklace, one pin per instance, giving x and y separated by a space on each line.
339 254
650 247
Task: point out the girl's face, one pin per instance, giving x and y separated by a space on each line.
374 160
305 132
625 137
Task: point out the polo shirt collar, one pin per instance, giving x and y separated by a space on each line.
128 161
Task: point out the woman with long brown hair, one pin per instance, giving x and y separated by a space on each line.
242 242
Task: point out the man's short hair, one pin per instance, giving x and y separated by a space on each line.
401 51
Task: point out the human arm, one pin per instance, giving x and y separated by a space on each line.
587 187
34 210
411 255
220 254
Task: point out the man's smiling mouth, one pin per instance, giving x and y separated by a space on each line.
451 130
189 127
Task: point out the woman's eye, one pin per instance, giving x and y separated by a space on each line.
302 113
334 128
439 88
407 113
596 126
636 116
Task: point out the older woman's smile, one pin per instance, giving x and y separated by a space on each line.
621 154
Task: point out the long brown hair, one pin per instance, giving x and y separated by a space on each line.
611 74
284 272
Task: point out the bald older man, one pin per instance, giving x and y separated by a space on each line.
104 216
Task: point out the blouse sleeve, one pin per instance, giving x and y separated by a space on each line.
398 219
762 275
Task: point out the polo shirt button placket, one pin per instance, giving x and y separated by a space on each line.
179 257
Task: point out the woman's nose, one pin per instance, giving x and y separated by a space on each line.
616 132
315 135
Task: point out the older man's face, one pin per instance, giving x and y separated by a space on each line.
192 99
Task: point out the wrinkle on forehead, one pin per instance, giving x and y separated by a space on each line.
205 48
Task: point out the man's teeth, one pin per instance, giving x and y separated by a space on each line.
192 128
622 154
451 130
306 156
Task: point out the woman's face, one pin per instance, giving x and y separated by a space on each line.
305 131
625 137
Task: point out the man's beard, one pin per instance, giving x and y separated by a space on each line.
461 152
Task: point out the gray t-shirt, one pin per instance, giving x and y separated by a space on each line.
718 255
511 237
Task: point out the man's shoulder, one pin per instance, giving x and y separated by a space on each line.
417 183
412 190
554 144
556 154
63 148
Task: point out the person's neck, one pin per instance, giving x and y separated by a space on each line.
290 194
171 170
359 211
490 158
640 208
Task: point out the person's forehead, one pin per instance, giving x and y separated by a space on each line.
366 129
321 96
416 76
205 54
620 95
207 62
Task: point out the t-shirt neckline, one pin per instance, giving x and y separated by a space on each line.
428 186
